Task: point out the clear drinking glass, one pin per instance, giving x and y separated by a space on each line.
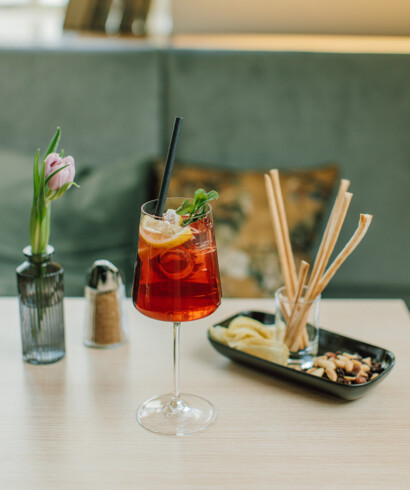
305 317
176 280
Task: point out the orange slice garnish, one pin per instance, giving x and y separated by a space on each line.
163 234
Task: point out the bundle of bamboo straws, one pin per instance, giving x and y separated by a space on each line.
296 337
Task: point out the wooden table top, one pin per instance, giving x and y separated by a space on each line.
73 424
293 42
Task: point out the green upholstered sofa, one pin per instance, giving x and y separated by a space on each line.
116 103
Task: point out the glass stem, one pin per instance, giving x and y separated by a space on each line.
176 392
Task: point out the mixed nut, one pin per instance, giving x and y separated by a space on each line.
345 368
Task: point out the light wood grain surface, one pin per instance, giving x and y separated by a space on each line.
294 42
72 424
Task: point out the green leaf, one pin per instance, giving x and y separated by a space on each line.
33 223
52 147
56 172
35 174
196 209
42 192
199 195
60 192
185 208
212 195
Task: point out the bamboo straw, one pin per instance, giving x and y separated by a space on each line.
296 336
344 185
334 233
299 343
304 267
285 311
304 339
274 174
364 223
279 237
363 226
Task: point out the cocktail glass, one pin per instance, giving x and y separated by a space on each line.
176 279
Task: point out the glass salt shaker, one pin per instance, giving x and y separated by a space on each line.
105 319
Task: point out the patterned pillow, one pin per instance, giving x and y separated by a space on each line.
248 259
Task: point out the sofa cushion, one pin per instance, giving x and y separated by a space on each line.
248 259
96 221
259 107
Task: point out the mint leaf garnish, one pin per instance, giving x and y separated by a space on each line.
196 209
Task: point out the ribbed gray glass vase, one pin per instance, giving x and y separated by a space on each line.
40 284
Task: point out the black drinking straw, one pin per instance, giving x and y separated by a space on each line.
169 164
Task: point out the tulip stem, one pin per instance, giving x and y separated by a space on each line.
40 230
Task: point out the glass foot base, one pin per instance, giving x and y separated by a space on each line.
185 415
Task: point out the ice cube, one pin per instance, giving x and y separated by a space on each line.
171 216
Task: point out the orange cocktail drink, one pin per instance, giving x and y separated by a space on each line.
176 279
176 276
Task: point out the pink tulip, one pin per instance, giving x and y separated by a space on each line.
53 162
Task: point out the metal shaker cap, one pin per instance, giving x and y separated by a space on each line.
104 276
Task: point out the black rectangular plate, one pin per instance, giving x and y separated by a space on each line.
328 342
